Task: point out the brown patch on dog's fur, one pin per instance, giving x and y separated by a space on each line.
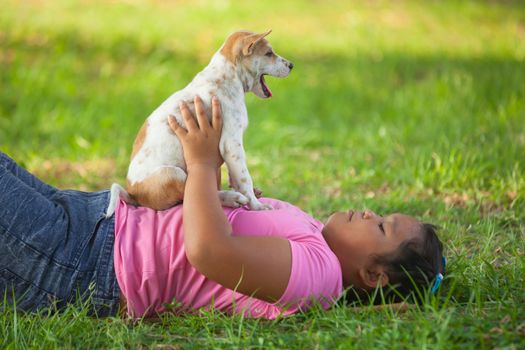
237 43
230 49
252 42
261 49
139 140
159 191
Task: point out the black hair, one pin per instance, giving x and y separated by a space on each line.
411 268
414 265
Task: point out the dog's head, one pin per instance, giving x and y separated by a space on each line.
254 58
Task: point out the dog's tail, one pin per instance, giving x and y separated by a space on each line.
117 192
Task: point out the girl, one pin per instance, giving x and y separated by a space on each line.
57 246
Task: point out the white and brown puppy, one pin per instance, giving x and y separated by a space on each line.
157 172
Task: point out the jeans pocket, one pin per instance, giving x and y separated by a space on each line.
16 291
83 215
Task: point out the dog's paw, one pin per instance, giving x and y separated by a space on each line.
256 205
232 199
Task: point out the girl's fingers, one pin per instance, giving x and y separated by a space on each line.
216 120
175 127
189 121
202 122
201 113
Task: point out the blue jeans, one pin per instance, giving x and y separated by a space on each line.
56 246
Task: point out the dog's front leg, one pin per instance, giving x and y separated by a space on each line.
232 152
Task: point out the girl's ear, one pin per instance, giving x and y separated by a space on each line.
373 276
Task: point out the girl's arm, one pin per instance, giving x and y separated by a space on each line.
258 266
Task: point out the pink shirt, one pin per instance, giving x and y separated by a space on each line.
155 276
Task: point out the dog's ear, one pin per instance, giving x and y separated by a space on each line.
250 41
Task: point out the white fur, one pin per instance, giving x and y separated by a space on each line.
161 148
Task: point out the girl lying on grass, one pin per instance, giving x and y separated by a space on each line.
57 247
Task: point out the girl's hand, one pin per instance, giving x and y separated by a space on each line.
200 142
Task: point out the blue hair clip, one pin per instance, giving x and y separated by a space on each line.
439 276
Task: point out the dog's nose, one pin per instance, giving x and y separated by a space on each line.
290 65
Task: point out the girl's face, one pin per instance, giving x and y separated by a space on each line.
356 236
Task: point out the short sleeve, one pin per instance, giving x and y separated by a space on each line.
315 275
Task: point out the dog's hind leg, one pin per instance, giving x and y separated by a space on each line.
161 190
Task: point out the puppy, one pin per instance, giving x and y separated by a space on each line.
157 171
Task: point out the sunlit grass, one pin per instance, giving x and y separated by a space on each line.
407 106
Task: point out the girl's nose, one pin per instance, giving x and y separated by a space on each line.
369 214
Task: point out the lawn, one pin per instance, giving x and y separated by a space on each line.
410 106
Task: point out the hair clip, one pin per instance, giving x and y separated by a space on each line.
437 283
439 276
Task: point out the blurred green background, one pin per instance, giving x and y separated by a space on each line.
384 93
413 106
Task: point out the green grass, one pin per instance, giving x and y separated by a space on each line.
405 106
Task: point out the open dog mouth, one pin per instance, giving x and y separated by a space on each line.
266 90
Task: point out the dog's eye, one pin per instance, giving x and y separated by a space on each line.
269 54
